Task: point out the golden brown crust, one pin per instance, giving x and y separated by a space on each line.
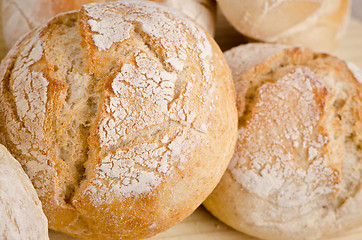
19 17
293 174
115 113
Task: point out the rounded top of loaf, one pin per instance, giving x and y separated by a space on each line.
19 17
294 174
115 113
316 24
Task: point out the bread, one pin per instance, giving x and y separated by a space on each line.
19 16
317 24
295 173
2 45
21 214
202 11
122 114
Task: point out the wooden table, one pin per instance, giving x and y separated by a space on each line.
202 225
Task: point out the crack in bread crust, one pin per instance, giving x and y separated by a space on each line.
255 186
75 104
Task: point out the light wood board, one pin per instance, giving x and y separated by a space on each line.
201 225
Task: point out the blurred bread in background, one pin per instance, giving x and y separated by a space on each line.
317 24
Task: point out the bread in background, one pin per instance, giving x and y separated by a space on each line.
317 24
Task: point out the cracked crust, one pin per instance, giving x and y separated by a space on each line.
19 17
122 136
296 170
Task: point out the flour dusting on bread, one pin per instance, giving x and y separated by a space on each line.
289 164
22 217
296 172
155 23
29 89
116 117
138 169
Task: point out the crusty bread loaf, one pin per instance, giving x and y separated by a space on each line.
317 24
122 114
21 214
296 171
20 16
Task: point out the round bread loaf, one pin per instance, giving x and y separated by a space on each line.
296 171
21 214
317 24
123 116
19 16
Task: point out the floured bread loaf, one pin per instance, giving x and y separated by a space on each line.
21 214
122 114
317 24
20 16
296 171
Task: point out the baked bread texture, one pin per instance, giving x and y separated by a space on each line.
123 116
296 170
316 24
21 214
20 16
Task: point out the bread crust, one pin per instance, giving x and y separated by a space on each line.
19 17
294 173
122 114
21 212
316 24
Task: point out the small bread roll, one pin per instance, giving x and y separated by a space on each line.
20 16
123 115
296 171
317 24
21 214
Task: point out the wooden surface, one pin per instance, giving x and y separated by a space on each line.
202 225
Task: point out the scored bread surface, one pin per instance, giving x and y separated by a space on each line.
123 116
295 173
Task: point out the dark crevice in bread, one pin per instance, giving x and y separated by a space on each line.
6 94
159 54
149 43
252 89
250 97
180 86
336 97
153 133
73 120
